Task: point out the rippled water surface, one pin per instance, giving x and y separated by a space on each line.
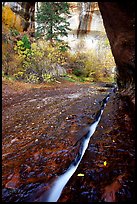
41 133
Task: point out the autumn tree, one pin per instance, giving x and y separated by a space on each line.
51 20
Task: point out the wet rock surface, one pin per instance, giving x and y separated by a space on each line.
40 130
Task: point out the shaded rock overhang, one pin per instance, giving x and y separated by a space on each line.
119 22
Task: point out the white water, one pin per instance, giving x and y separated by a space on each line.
58 185
53 194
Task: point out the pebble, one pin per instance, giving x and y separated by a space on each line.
14 140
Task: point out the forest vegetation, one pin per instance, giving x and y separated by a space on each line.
39 58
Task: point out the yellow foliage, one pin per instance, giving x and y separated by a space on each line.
34 46
10 19
80 174
105 163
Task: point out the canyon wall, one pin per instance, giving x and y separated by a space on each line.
119 22
86 24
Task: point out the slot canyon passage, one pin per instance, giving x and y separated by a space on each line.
45 128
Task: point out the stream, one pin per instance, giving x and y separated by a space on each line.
56 190
42 154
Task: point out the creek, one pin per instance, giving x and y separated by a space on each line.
53 135
53 194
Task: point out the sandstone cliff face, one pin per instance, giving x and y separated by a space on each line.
89 18
87 29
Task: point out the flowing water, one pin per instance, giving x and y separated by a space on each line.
55 191
46 144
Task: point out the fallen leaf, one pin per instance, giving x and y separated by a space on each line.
105 163
80 174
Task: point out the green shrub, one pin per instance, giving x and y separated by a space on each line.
38 61
26 42
91 65
40 58
77 72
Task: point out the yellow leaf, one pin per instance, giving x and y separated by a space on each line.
105 163
80 175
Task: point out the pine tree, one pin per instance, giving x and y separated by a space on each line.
51 20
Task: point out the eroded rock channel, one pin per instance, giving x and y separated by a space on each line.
41 130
